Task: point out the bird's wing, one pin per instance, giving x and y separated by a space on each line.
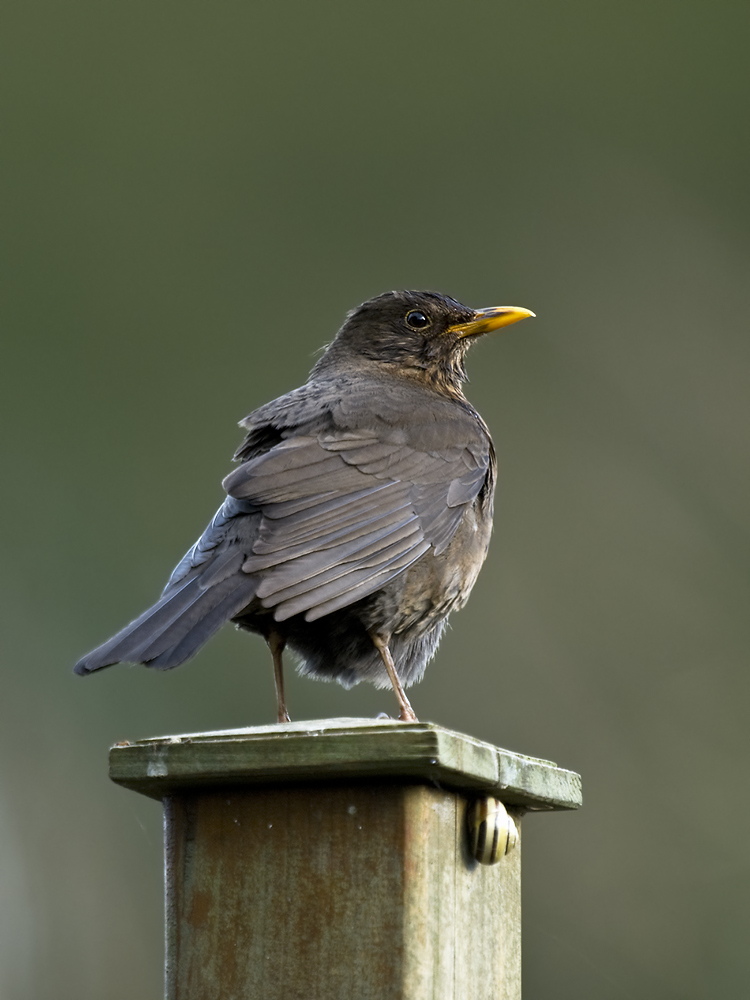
343 512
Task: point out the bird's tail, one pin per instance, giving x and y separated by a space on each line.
175 627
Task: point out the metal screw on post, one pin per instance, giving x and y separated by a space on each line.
337 860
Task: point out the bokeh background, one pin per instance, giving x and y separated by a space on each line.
193 196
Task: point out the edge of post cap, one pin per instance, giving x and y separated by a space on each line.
341 749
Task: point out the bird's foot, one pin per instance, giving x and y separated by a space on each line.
407 715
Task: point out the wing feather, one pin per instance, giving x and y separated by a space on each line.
359 583
342 512
320 557
374 559
369 585
358 511
367 552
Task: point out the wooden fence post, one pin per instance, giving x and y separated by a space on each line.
331 860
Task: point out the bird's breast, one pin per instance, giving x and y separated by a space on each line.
436 585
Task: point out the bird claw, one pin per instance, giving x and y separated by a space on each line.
407 715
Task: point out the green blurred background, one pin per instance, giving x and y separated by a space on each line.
193 196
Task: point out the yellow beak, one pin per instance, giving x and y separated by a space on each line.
487 320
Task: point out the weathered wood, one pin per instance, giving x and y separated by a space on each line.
330 860
320 893
342 749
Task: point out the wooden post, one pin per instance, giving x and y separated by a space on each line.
331 861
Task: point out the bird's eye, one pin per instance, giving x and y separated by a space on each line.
417 319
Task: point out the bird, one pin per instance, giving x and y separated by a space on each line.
359 513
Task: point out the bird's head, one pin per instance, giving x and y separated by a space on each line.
424 335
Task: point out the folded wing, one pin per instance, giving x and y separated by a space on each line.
344 512
313 524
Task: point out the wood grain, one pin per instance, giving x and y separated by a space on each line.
357 892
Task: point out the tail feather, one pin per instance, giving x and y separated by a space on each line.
202 603
160 632
202 630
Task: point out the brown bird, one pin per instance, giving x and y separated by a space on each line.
360 513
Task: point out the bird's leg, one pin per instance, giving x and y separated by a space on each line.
407 712
276 644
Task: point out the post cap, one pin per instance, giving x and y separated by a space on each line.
341 749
